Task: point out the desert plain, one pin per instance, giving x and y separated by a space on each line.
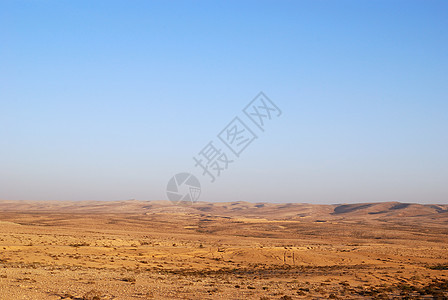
234 250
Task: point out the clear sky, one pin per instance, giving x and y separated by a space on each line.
107 100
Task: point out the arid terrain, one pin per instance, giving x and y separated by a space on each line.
236 250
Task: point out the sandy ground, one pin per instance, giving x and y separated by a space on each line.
133 250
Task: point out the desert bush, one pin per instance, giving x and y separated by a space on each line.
92 295
79 244
439 267
129 279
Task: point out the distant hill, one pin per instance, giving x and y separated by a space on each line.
383 211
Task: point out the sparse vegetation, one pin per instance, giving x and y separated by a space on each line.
339 260
129 279
82 244
439 267
92 295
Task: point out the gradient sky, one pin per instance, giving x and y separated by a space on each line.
107 100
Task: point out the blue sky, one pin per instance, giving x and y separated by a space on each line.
107 100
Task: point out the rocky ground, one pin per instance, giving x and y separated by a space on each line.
154 250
